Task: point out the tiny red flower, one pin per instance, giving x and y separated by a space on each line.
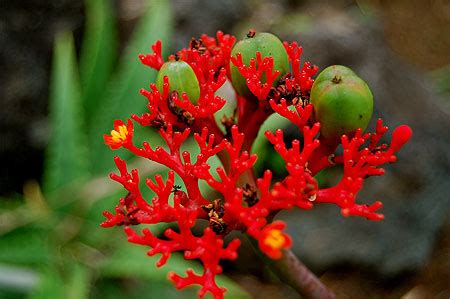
273 240
121 135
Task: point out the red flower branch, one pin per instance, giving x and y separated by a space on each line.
154 60
301 75
360 164
299 117
254 73
242 203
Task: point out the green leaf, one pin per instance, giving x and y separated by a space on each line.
78 284
25 246
98 53
51 286
131 261
132 288
71 282
7 294
66 157
122 97
234 290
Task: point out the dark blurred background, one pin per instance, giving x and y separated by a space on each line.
401 48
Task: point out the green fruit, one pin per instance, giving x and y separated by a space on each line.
182 79
342 102
268 45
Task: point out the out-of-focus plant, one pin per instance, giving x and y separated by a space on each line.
51 245
441 78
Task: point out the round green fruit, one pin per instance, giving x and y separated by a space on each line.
182 79
342 102
265 43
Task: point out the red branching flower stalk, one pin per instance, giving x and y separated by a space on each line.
245 204
154 60
301 75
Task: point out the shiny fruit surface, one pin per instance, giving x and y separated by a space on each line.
342 102
182 79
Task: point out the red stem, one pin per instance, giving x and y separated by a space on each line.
321 157
252 114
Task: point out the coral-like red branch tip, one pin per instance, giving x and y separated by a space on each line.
400 137
154 60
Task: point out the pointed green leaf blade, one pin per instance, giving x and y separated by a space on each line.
72 283
122 98
50 286
66 156
98 52
78 284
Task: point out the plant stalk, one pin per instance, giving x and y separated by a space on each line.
294 273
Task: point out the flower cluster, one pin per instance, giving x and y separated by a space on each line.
242 202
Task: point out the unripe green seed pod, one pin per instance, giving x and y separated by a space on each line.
342 102
181 79
265 43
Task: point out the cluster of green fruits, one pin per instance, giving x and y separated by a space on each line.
342 101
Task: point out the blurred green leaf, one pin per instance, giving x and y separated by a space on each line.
122 97
7 294
98 53
73 283
25 246
10 202
234 290
51 286
441 78
78 284
131 261
133 288
66 157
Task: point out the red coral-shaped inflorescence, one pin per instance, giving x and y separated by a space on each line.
241 202
301 75
360 164
254 73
